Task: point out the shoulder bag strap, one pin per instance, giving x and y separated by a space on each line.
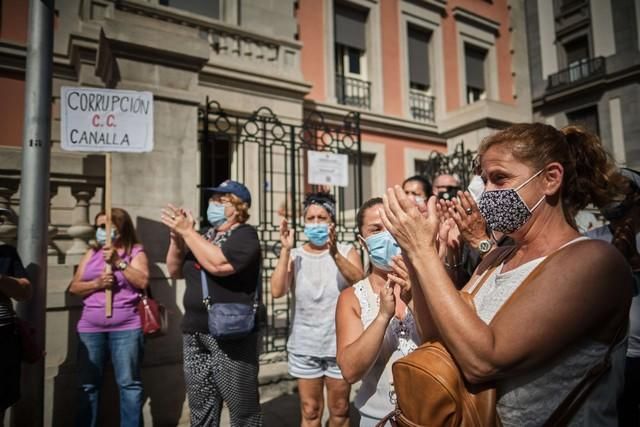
206 300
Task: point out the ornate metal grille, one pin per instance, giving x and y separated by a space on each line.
459 162
268 154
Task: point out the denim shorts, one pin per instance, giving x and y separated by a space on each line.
308 367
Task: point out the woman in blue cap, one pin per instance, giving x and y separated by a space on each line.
316 272
225 262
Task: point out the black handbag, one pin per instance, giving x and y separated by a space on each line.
229 320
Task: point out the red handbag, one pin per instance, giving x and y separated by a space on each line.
153 316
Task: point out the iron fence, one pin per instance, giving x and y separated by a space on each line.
268 154
460 162
422 106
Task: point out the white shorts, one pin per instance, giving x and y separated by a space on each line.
308 367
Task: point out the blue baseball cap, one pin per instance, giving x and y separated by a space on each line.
232 187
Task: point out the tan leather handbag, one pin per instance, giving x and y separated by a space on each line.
431 390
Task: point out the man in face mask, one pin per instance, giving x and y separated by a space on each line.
623 231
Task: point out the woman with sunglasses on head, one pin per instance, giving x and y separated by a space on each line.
374 323
549 309
316 272
120 335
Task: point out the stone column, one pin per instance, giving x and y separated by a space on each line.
52 231
8 226
81 229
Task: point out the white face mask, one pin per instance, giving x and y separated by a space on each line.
476 187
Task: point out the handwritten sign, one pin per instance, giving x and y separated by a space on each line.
106 120
326 168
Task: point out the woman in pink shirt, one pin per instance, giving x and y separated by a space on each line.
119 335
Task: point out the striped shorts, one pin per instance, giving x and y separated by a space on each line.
217 371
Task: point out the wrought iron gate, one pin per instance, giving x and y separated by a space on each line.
459 162
268 154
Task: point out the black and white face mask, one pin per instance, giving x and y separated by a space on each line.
504 210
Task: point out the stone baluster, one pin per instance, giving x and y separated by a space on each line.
8 226
52 230
81 229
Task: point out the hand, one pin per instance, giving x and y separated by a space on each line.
387 301
286 235
412 230
400 277
468 219
110 255
179 221
104 281
333 240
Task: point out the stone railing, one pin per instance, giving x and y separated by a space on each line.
231 45
70 200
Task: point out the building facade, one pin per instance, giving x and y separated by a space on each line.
423 76
584 57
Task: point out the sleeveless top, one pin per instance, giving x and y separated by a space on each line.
318 284
528 399
376 397
125 298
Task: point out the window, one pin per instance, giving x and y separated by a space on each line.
587 118
577 55
352 87
419 59
350 25
475 59
208 8
367 179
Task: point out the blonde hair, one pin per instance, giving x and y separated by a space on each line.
242 208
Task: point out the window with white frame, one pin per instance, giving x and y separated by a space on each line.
208 8
421 102
475 64
352 85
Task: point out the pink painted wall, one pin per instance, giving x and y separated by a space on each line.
394 153
311 24
496 11
11 109
13 20
392 76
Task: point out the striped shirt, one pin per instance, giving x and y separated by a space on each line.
10 265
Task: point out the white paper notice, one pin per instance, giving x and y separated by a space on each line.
106 120
326 168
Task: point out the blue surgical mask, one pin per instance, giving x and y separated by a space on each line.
318 234
382 247
101 236
215 215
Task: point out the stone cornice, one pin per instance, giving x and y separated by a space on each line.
481 114
471 18
378 123
438 6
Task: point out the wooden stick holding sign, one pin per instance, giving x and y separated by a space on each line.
108 292
108 121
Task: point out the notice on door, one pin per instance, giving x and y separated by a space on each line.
106 120
326 168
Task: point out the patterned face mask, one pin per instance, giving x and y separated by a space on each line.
504 210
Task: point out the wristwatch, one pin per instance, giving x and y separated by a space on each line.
484 247
122 265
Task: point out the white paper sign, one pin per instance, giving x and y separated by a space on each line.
326 168
106 120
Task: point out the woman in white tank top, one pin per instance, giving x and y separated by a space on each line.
544 341
374 324
316 273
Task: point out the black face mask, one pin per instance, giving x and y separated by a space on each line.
449 193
